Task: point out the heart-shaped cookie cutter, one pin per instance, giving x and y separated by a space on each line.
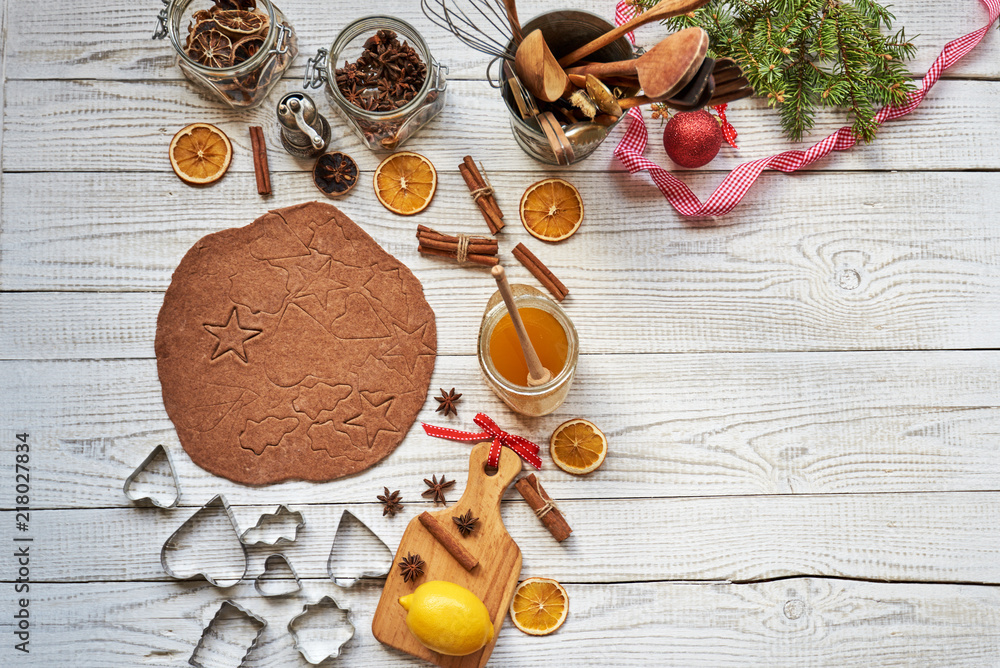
270 564
156 453
172 544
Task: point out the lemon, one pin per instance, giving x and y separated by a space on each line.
447 618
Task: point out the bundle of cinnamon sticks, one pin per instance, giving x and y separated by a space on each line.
462 249
482 193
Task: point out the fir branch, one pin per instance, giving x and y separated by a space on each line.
806 54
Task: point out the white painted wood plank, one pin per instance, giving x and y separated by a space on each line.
129 126
111 41
918 537
798 622
791 270
678 425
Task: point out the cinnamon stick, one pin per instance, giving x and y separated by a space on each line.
492 219
491 199
261 171
541 503
485 260
474 248
448 541
540 271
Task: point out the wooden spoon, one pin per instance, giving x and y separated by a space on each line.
662 10
539 70
665 68
537 374
515 24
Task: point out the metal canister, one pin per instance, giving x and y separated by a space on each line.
564 31
304 131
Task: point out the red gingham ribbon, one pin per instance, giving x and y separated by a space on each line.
624 13
737 183
527 450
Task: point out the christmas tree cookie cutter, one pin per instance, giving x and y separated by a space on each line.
257 533
210 632
269 581
330 643
175 544
150 499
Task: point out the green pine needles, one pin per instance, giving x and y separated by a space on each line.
803 54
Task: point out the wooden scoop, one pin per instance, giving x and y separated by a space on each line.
662 10
539 70
537 374
665 68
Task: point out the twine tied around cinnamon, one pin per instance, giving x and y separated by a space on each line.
462 254
486 190
549 504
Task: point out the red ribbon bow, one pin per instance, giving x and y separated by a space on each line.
527 450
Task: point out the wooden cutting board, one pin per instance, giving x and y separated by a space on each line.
493 580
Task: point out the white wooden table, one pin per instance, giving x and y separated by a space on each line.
802 398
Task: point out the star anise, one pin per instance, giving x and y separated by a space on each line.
447 402
437 489
466 523
412 567
392 503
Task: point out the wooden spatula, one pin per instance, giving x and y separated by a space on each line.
493 580
662 10
665 68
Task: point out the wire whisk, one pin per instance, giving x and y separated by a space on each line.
454 16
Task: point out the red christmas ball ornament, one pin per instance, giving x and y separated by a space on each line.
692 138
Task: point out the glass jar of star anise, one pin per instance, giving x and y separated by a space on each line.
235 49
380 76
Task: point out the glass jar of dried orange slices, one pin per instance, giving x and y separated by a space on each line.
235 49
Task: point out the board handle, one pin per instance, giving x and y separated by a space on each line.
489 485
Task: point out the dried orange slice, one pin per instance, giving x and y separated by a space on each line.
212 49
237 23
200 154
405 183
578 446
551 210
246 48
539 606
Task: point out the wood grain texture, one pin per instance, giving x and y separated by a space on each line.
915 537
747 441
702 425
842 271
496 556
797 622
111 41
129 126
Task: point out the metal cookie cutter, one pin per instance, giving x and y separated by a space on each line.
159 452
270 582
331 639
275 518
258 623
367 571
174 544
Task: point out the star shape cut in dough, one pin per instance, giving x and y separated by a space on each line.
373 418
231 337
404 339
320 283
